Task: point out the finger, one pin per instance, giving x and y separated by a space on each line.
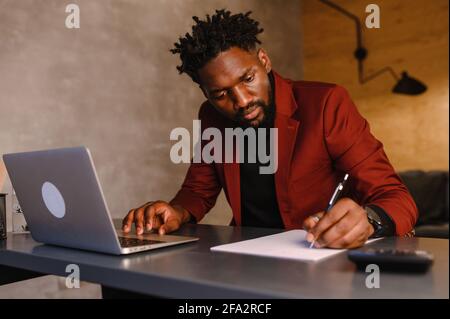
356 237
139 219
154 215
169 226
149 213
127 221
338 230
311 221
152 219
332 217
157 222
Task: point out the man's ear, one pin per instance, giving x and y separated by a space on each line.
264 59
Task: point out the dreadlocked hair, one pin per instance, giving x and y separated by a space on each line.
215 35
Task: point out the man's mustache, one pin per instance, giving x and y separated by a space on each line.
249 108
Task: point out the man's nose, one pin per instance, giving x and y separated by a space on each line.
241 98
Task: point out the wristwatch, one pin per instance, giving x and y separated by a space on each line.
375 221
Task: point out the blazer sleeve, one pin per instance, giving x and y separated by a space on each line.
201 186
356 151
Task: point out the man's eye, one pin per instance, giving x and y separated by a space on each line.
249 78
219 97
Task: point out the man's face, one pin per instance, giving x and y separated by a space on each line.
237 84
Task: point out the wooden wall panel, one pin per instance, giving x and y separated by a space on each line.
413 37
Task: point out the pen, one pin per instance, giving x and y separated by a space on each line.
333 200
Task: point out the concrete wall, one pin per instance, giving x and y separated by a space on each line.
413 37
112 84
2 173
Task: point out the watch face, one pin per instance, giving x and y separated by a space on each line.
373 217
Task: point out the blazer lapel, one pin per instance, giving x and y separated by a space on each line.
287 126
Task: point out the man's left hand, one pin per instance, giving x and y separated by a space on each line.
344 226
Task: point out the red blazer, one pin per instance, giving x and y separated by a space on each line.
321 136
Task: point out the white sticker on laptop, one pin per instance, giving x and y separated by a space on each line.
53 200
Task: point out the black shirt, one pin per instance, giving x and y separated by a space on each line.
259 206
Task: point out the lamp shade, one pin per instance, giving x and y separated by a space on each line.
409 85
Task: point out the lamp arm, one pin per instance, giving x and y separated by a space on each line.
351 16
374 75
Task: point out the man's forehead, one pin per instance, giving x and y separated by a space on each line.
227 67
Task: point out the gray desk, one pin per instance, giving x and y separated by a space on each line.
193 271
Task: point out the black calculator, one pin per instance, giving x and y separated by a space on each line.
398 260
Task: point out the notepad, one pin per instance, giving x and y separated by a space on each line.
287 245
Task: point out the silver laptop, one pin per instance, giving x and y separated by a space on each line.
63 203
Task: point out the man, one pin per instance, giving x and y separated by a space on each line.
321 136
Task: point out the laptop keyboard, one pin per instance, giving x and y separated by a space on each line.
133 242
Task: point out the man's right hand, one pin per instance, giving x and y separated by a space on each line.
157 215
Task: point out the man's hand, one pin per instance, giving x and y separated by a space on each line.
344 226
157 215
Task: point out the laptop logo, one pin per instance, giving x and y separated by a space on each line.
53 200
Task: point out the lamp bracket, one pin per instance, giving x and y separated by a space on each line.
360 53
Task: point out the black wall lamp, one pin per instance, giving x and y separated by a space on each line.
405 84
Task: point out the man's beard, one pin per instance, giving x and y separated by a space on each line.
267 109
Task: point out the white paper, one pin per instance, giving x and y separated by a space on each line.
288 245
